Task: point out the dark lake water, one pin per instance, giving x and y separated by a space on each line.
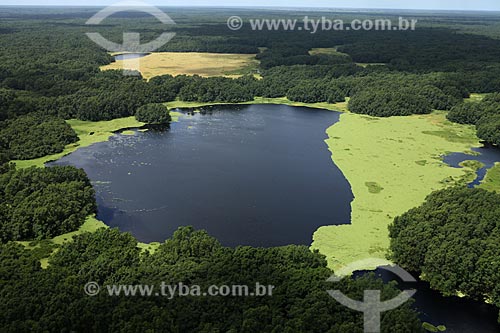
127 56
257 175
459 315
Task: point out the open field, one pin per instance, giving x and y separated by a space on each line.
190 63
392 164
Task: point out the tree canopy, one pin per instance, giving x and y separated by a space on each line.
452 239
39 203
155 114
299 301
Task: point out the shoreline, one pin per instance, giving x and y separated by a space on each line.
344 244
388 174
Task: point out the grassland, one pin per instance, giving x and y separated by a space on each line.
47 247
190 63
492 180
392 164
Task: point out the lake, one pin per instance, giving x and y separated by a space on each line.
258 175
459 315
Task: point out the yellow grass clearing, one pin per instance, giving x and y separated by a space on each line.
190 63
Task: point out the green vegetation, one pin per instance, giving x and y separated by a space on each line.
43 249
40 203
431 328
52 87
472 164
452 239
261 100
88 132
488 129
484 113
153 114
492 180
298 303
384 151
388 103
33 136
373 187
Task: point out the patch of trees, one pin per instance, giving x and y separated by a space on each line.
316 91
284 54
34 135
218 89
488 129
154 114
387 103
165 88
299 301
485 114
398 94
107 95
452 239
39 203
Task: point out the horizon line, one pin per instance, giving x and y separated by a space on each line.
264 7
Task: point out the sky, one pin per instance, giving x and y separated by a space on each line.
396 4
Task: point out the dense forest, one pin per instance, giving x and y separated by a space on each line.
39 203
50 68
299 302
452 241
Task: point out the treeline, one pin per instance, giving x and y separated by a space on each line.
40 203
51 69
452 240
485 114
35 135
154 114
390 94
299 301
108 95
